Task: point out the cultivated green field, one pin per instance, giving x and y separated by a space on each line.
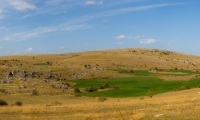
142 84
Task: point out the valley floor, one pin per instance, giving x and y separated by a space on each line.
179 105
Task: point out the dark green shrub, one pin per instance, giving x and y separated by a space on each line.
34 92
77 90
18 103
186 87
3 103
104 86
150 93
131 71
85 65
91 89
2 90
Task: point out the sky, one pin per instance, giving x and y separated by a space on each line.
65 26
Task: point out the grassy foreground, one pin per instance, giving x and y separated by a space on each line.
180 105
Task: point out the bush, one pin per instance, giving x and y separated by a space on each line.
2 90
91 89
104 86
131 71
3 103
34 92
150 93
186 87
77 90
18 103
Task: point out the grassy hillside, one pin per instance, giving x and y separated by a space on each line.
107 81
23 74
98 64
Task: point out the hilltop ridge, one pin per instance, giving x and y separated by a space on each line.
97 62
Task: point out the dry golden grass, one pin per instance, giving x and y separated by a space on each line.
180 105
175 78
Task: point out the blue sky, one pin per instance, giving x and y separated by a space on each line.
63 26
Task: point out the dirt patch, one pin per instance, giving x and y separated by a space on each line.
173 78
172 73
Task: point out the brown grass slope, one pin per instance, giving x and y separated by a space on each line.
47 73
101 63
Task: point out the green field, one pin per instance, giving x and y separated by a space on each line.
140 85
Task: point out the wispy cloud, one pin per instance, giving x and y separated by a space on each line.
134 9
126 10
29 49
21 5
79 23
93 2
139 38
121 37
148 41
20 36
127 37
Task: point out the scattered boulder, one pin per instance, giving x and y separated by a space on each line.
49 76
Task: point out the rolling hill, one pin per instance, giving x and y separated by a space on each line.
136 79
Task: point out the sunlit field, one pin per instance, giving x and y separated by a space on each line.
115 84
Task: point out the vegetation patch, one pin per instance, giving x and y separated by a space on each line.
135 72
47 63
18 103
3 103
133 87
77 90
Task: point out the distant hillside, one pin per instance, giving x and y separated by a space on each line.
98 64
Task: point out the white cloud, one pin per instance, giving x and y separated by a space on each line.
127 37
29 49
121 37
94 2
139 38
148 41
74 24
21 5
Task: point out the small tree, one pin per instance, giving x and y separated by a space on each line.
18 103
131 71
150 93
91 89
3 103
34 92
104 86
77 90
